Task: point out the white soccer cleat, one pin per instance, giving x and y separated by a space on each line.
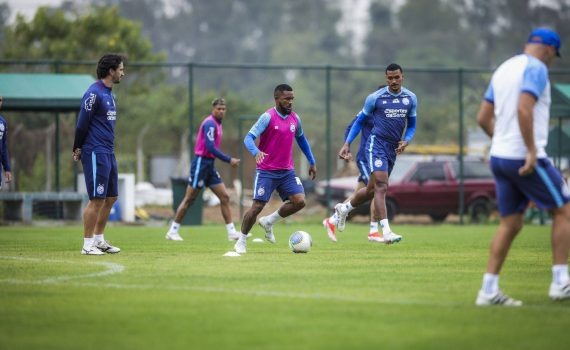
240 246
269 236
105 247
391 237
341 213
173 236
559 292
376 237
330 229
497 299
92 250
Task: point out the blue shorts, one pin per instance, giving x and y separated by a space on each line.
203 173
101 174
364 170
544 186
285 182
381 154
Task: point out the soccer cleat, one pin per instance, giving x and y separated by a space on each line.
341 214
391 237
92 250
240 246
376 237
497 299
105 247
233 236
559 292
173 236
330 229
269 236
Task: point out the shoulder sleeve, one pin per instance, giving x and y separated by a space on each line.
535 78
490 94
260 125
414 109
369 105
299 132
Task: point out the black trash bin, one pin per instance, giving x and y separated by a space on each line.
194 214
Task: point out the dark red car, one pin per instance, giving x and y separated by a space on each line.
428 187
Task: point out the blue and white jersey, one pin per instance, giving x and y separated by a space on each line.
95 130
4 158
521 73
390 112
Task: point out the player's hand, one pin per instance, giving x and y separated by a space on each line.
401 146
76 154
529 164
259 157
234 162
8 175
313 171
344 152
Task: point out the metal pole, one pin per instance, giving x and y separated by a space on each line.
240 137
191 105
461 188
328 136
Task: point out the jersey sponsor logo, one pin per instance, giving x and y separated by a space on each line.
395 112
260 191
292 127
406 101
111 115
100 189
210 133
378 163
89 102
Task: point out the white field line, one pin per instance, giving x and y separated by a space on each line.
113 268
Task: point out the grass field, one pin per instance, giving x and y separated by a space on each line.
157 294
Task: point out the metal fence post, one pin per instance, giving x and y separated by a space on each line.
461 144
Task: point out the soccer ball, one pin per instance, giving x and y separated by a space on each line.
300 242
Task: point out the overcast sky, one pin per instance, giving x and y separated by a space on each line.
28 7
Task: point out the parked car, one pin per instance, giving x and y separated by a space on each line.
427 187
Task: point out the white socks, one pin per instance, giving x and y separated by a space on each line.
490 283
231 229
98 237
560 274
373 226
87 243
174 227
385 226
274 217
333 219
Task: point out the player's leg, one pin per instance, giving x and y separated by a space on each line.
373 234
111 192
380 179
560 286
90 214
222 193
247 223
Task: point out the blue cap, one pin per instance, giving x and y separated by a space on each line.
547 37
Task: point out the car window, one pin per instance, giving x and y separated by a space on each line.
473 170
401 167
427 172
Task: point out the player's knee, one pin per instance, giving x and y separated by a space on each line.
299 204
381 187
224 199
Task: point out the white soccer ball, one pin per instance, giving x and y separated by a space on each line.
300 242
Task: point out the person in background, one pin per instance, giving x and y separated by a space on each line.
4 157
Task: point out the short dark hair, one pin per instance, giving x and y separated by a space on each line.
218 101
108 61
392 67
280 88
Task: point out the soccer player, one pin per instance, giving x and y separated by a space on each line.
362 164
4 159
515 114
276 129
392 110
94 145
203 173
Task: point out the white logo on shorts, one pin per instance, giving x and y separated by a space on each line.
200 183
564 188
378 163
100 189
261 191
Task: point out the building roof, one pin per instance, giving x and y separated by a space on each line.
43 92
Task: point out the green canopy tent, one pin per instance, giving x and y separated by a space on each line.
55 93
559 136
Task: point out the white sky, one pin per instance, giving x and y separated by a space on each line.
28 7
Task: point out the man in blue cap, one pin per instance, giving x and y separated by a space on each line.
515 114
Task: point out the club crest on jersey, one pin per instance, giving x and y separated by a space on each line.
405 101
292 127
100 189
261 191
378 163
90 101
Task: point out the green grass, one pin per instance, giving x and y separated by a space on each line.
418 294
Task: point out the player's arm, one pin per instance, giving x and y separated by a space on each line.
210 131
486 114
306 148
411 119
257 129
88 107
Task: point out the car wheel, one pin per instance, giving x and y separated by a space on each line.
391 208
438 217
479 211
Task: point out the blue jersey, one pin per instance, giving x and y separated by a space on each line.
390 113
365 133
4 159
95 130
